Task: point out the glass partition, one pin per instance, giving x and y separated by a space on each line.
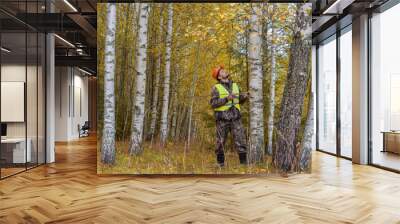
22 92
41 111
31 99
13 94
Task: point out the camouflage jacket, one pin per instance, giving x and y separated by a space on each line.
233 113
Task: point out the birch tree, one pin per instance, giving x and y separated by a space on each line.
140 91
256 149
306 145
125 20
157 80
166 85
289 125
108 137
272 85
131 78
175 106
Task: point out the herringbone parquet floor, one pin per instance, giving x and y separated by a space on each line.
69 191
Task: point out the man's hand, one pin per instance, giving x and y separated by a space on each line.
231 97
243 97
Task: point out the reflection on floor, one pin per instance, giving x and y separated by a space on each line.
387 159
10 169
70 191
346 152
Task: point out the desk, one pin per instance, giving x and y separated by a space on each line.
391 141
13 150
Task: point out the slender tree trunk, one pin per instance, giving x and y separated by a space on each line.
150 70
123 63
289 124
247 60
185 125
247 69
170 114
192 92
164 113
157 81
128 104
272 85
306 145
141 59
180 121
121 99
108 137
129 109
175 106
256 152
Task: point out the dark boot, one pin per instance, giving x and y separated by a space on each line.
243 158
221 159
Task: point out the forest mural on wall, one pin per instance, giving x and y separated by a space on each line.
212 88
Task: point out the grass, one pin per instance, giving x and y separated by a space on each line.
172 159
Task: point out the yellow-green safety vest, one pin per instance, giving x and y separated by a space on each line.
223 92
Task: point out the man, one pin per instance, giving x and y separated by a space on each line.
225 100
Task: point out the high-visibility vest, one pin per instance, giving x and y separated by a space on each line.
223 92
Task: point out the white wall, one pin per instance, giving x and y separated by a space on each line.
12 100
71 87
10 73
62 82
81 89
16 73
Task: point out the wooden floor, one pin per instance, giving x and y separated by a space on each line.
387 159
69 191
5 172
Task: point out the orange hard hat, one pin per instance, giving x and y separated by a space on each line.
216 70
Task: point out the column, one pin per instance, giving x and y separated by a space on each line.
360 90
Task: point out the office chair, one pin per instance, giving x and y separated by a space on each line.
84 130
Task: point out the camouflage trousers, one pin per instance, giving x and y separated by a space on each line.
237 130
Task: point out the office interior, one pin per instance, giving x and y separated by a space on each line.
357 82
48 79
49 65
48 88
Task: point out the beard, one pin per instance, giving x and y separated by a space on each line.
225 80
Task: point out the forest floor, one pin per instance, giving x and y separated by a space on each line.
173 159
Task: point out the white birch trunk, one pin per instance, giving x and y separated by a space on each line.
306 144
272 86
108 137
157 83
141 59
256 149
164 112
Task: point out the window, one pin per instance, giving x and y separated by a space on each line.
346 92
385 89
327 96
